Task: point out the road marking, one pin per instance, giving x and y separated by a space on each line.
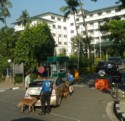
2 90
66 117
77 85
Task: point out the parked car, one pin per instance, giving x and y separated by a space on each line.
35 90
114 67
116 60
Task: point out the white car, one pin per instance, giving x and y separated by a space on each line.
35 90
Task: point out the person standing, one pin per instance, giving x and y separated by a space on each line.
45 96
70 79
109 67
27 80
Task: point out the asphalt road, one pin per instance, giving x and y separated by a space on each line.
86 104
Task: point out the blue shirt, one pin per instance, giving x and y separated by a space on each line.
70 77
46 86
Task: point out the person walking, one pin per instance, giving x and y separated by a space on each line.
45 96
27 80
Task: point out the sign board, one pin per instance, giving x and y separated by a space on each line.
19 68
53 67
41 69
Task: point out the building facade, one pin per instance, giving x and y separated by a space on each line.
63 30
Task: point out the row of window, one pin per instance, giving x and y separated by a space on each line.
60 35
60 43
59 27
100 13
59 19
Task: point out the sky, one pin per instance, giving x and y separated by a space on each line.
36 7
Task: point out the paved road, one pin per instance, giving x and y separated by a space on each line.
86 104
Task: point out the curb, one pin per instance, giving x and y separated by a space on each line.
14 88
120 115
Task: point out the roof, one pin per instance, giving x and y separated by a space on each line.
55 59
104 9
49 13
103 44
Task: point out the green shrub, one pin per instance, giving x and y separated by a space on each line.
33 76
18 78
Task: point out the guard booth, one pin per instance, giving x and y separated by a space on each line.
58 66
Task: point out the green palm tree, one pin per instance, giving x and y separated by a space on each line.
4 5
71 8
24 18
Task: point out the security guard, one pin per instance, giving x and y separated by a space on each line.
45 95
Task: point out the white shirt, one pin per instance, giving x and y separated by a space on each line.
27 81
109 66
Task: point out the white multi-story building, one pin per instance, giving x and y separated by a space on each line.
63 30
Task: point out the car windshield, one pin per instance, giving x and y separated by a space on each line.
101 63
37 82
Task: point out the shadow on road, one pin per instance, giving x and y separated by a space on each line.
27 119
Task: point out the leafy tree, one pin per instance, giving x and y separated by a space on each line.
62 52
7 44
34 45
71 8
84 44
4 5
115 30
24 18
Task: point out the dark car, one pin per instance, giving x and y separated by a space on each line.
116 60
114 67
101 66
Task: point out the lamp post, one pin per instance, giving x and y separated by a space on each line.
7 76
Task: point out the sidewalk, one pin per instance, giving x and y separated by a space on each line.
119 107
6 85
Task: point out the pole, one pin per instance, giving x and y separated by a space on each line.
13 74
100 45
78 53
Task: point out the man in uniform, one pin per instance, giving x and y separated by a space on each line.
70 80
45 96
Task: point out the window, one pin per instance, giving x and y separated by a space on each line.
117 10
77 27
91 23
83 32
65 36
59 27
77 19
65 43
59 35
54 34
59 19
60 43
54 26
52 17
99 13
72 31
108 11
64 20
91 15
71 24
65 28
